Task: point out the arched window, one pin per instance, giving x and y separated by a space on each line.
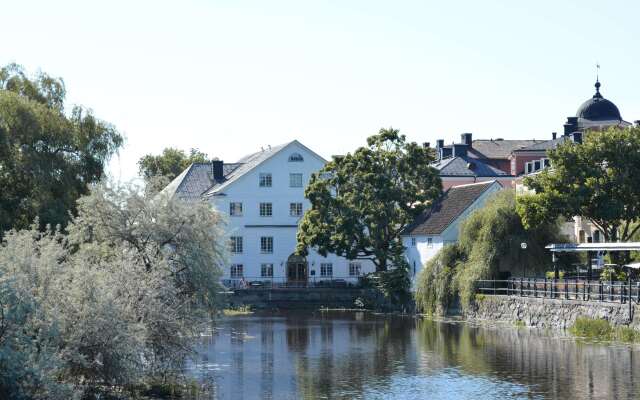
296 157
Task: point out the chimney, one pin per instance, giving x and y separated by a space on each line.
426 145
444 152
467 138
460 150
554 135
439 143
216 168
576 137
571 125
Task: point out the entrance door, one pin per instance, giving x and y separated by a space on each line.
297 272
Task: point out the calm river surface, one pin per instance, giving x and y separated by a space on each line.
354 355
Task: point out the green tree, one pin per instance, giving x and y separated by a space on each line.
361 202
170 163
47 158
598 180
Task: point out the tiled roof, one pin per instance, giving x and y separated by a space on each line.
195 180
466 166
448 208
546 145
497 149
246 164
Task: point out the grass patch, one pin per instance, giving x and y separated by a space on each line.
241 310
600 329
520 324
480 297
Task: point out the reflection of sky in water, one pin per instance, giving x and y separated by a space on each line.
346 356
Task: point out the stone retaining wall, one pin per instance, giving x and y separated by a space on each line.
304 298
550 313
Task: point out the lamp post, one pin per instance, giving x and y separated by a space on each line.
523 246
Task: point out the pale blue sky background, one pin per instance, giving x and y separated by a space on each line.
231 76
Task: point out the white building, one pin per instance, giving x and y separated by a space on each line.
263 195
440 225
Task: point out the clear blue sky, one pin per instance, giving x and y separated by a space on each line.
230 76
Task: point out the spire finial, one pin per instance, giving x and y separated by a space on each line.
597 81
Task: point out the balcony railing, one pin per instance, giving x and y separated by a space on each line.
568 289
259 282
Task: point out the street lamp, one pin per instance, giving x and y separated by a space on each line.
523 246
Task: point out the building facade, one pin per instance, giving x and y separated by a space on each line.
440 225
263 196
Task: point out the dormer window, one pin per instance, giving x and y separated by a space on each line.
296 157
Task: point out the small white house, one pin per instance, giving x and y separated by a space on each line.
440 224
263 196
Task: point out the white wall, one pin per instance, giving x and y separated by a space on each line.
282 227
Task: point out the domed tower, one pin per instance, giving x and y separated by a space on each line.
595 113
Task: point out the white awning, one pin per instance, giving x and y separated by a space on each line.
582 247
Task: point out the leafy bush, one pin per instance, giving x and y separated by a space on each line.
612 274
592 328
552 275
111 304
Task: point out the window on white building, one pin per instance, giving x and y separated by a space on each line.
266 244
266 270
236 244
265 179
296 157
429 242
237 270
295 180
413 242
266 209
235 209
355 268
295 209
326 269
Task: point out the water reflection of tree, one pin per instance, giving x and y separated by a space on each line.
376 350
558 367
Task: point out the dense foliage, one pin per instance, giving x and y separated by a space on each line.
170 163
47 157
598 180
113 303
489 245
361 202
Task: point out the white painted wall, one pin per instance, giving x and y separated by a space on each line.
281 226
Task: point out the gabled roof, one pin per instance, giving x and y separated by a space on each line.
466 166
497 148
448 208
546 145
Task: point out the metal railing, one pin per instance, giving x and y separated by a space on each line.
568 289
259 282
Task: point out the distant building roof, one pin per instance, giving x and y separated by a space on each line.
448 208
466 166
546 145
497 148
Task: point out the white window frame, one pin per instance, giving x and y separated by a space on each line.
295 209
266 244
295 180
235 209
355 268
266 179
326 270
236 271
265 209
430 242
266 270
235 244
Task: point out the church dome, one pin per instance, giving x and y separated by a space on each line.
598 108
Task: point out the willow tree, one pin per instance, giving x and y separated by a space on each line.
170 163
598 180
48 157
361 202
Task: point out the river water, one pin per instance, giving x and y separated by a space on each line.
356 355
